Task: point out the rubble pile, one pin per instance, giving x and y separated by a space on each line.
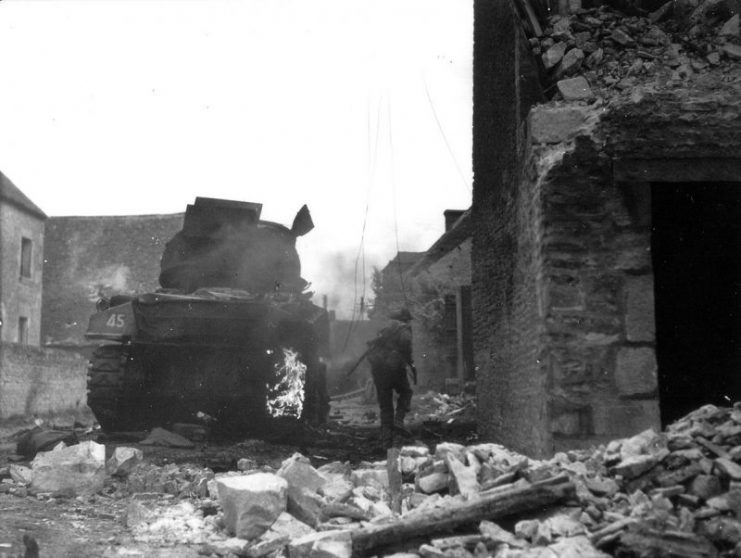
676 493
433 406
599 49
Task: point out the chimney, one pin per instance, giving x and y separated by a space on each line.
451 216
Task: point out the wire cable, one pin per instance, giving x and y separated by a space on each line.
445 138
372 159
393 189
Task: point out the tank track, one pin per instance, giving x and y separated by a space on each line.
108 391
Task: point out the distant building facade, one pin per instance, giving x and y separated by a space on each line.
33 379
21 273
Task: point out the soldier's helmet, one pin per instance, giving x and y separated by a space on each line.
403 315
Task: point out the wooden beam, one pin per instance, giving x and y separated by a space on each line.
441 520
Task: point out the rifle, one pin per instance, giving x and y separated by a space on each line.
355 366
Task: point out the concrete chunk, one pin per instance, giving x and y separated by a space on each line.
251 503
303 546
74 470
123 461
339 546
730 27
499 535
299 473
288 526
635 466
362 477
575 89
553 55
728 468
337 488
303 484
434 482
442 450
463 478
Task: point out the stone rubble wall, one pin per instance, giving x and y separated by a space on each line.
40 381
598 272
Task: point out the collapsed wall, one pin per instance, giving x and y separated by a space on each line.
566 350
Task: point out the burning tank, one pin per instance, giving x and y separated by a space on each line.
231 335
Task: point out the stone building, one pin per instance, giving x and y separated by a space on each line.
607 214
443 333
22 249
33 379
436 287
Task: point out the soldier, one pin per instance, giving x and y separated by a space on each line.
389 354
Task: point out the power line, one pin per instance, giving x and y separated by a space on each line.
372 158
393 189
445 138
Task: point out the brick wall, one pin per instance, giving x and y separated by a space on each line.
35 380
511 375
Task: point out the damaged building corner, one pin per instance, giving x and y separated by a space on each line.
607 221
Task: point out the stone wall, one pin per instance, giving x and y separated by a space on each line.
599 303
39 381
596 167
21 295
87 257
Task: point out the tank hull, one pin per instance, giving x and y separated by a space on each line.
186 356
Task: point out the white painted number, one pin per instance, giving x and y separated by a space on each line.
116 320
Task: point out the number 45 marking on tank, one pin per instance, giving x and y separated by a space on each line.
116 320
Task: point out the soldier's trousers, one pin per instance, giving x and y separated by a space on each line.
387 382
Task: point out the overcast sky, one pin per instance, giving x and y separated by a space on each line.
360 109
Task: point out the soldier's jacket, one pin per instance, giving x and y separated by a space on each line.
392 348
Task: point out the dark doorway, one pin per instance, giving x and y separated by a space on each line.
696 252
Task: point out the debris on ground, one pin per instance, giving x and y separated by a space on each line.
442 407
429 407
674 493
671 493
30 442
161 437
72 471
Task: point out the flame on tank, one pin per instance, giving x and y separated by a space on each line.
286 397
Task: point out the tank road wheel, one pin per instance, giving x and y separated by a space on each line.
107 395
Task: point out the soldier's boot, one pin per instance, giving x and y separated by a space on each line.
399 425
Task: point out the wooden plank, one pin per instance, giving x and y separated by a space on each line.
531 17
394 473
441 520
